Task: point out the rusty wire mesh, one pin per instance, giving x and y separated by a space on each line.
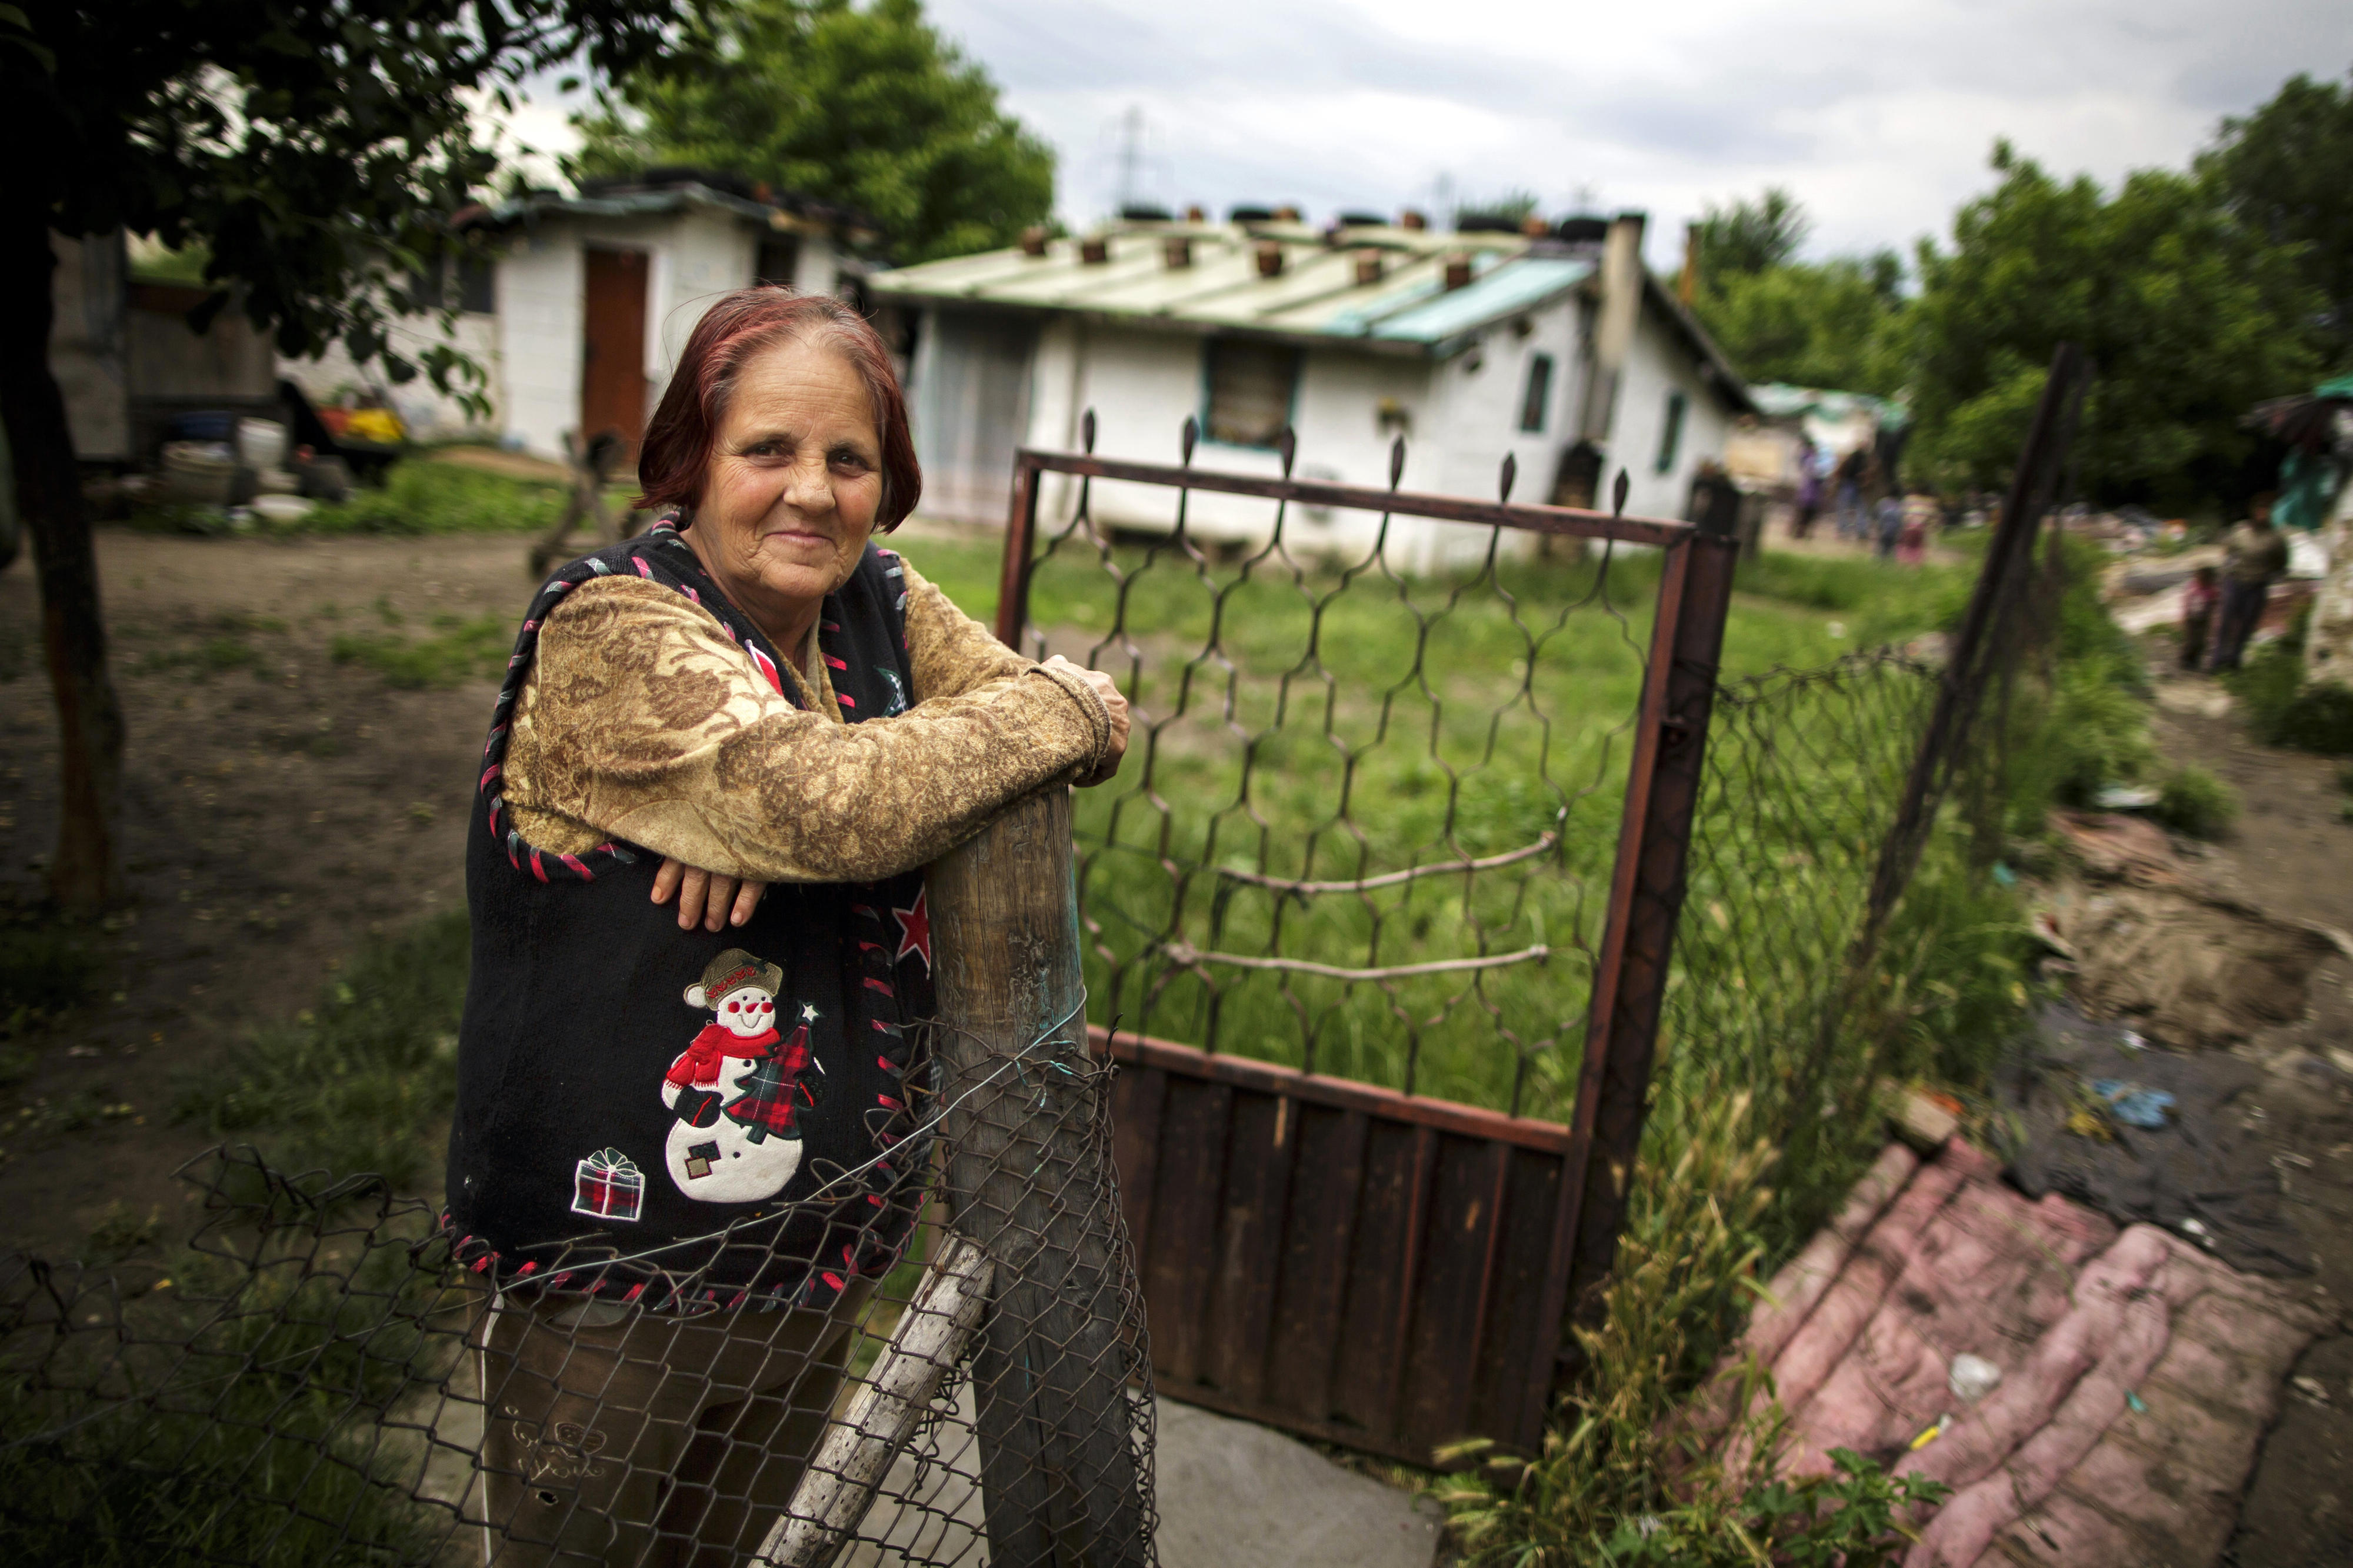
1376 777
321 1383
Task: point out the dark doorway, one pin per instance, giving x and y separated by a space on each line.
779 260
613 347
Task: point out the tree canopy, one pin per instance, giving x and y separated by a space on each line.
2283 172
2190 317
316 150
869 107
1748 237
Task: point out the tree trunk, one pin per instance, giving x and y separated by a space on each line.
86 872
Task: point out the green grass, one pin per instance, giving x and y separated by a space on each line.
364 1079
421 497
459 650
1310 726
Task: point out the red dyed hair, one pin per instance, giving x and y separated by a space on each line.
678 439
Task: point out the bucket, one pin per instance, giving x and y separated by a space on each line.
198 473
260 443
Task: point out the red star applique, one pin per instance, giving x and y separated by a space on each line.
915 932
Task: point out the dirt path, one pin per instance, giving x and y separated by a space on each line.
2292 857
281 806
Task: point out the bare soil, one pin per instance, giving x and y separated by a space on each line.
281 807
2291 856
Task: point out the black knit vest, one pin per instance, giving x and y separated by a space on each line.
599 1146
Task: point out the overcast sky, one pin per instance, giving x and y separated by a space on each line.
1878 116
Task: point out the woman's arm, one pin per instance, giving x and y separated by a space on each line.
643 722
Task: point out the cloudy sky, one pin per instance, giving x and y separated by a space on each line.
1878 115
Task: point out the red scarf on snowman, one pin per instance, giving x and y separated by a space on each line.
698 1065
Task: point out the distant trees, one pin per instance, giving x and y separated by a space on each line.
2281 171
866 105
2190 316
2197 294
1823 323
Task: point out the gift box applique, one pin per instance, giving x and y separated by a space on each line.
607 1184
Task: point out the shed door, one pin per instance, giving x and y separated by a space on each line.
613 347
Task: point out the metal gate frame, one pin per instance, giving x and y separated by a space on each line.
1595 1153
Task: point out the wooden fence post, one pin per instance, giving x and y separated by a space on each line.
1064 1481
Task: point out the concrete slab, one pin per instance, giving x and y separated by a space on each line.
1237 1495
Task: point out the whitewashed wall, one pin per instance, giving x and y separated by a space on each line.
1144 385
1659 363
1476 423
540 284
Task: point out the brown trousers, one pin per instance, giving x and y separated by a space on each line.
628 1439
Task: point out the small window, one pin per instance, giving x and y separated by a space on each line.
1250 391
779 260
478 285
1536 403
1671 438
424 286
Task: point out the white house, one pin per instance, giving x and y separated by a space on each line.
1559 349
581 309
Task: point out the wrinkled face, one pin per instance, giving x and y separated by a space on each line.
748 1011
795 479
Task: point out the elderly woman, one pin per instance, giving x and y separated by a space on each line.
722 751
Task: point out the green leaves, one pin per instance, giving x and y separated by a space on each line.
867 107
317 152
2191 316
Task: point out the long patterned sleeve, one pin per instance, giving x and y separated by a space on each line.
642 722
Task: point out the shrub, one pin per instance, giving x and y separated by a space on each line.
2195 802
2283 710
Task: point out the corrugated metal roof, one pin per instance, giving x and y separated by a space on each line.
1315 295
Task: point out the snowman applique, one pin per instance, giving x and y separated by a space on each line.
737 1090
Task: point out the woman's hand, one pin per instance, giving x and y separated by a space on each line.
1115 704
706 898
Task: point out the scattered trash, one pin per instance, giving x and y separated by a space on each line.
1935 1430
2312 1388
2125 797
2132 1040
2197 1232
2089 1123
2132 1398
2003 876
1973 1377
1836 628
81 1050
2045 926
2133 1105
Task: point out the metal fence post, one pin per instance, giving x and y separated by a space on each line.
1013 572
1646 898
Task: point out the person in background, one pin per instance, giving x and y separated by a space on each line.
1889 523
1809 490
1852 522
2254 557
1919 515
2198 597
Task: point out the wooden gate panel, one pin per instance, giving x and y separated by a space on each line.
1507 1332
1319 1235
1250 1243
1178 1269
1340 1261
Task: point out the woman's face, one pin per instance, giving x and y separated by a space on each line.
793 481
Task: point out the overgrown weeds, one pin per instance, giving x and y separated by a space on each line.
421 497
2195 802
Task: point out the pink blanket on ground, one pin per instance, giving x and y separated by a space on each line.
2137 1374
